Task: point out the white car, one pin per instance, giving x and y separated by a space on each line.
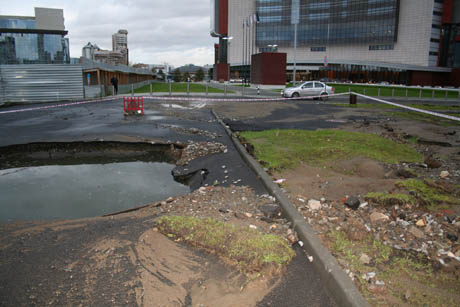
310 88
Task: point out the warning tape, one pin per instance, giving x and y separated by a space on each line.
166 98
409 108
214 99
248 99
56 106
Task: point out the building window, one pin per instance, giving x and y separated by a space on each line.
267 19
434 53
380 10
318 49
436 26
435 40
317 16
381 47
319 6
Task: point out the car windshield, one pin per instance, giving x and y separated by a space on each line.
307 85
318 84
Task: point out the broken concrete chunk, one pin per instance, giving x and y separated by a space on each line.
314 204
377 217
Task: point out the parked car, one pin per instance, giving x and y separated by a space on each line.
325 80
310 88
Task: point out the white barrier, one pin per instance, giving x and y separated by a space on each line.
409 108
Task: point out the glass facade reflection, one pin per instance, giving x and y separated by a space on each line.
21 43
17 23
328 22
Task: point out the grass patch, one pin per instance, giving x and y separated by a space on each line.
402 274
283 149
177 88
387 199
386 91
425 118
250 249
365 105
427 193
373 90
387 106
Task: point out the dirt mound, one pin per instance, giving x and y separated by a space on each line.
172 276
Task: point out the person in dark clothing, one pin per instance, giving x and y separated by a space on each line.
114 82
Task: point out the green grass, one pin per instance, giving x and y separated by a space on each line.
373 90
425 118
386 91
428 107
428 195
283 149
178 88
400 273
388 199
248 248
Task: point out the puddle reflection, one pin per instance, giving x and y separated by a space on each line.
77 191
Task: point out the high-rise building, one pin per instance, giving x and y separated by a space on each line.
401 41
120 44
38 39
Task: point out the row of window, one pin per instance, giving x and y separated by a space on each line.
17 23
266 16
318 49
323 49
328 22
33 48
382 47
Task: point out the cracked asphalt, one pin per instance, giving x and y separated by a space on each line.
33 263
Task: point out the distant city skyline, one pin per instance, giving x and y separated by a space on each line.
175 32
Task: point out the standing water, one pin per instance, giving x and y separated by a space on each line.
78 191
84 179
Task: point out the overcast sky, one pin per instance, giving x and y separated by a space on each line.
172 31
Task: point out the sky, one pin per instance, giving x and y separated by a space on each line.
159 31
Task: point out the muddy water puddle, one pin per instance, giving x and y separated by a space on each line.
77 191
78 180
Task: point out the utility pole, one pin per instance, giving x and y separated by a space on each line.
295 16
242 55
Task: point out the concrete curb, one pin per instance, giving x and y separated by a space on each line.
336 281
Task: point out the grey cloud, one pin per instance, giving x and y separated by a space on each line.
159 30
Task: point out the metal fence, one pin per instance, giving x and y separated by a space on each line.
39 83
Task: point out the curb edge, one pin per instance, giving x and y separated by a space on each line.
336 281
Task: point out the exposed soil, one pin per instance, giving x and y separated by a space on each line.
352 177
436 244
122 260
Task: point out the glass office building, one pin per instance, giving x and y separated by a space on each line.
327 22
22 43
406 42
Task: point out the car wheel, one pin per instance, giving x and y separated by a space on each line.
324 96
295 95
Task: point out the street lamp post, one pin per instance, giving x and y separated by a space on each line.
295 16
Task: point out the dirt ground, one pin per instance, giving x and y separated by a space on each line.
122 260
333 183
163 272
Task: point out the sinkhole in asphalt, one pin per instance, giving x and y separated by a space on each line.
84 179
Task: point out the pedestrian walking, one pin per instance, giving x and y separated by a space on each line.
114 82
